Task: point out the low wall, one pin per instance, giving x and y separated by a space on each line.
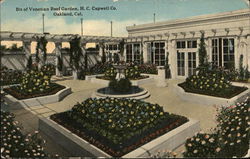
39 100
208 100
81 148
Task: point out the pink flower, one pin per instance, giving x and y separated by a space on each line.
218 149
211 140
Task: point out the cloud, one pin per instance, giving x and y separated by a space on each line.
59 26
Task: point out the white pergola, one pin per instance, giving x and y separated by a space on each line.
22 36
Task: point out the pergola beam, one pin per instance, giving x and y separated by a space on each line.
22 36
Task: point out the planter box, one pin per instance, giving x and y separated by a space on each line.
81 148
134 82
39 100
209 100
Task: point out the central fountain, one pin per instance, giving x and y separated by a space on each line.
125 89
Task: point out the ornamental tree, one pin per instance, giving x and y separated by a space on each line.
41 51
121 48
167 67
75 55
202 51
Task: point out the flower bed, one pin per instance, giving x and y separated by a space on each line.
34 84
213 82
230 138
99 122
148 69
49 69
233 91
10 77
15 144
16 92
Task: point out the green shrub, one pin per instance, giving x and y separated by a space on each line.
202 145
110 73
48 69
132 72
99 68
15 144
234 129
121 86
148 68
210 80
9 76
29 63
35 81
230 138
60 63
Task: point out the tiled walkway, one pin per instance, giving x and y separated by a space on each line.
82 90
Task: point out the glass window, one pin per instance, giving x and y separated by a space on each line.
215 52
192 44
137 54
191 63
158 53
181 63
181 44
228 53
129 53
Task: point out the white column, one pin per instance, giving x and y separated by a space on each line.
209 49
83 47
27 50
100 52
145 52
58 48
197 55
237 53
172 58
125 53
248 53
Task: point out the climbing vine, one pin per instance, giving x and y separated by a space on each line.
167 68
202 51
60 63
41 48
75 53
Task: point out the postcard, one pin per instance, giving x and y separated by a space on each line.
125 78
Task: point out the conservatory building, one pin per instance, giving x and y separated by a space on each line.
227 37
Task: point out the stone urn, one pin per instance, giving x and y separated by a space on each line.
120 69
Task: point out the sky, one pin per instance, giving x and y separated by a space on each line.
127 13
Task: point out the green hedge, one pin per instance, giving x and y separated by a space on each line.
230 138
